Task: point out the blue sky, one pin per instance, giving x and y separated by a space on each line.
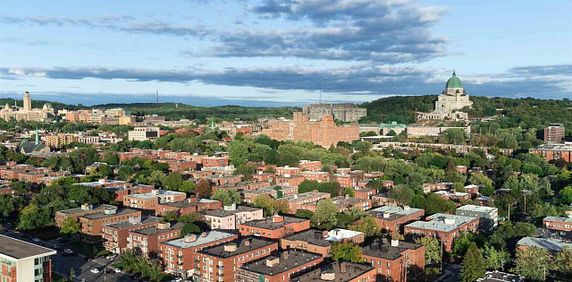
212 52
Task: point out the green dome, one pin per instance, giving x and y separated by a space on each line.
454 82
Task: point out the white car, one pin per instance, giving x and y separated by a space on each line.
117 270
94 270
178 279
37 240
68 251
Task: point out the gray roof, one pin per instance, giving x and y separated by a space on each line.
96 209
155 230
244 244
104 215
497 276
268 223
205 238
392 211
287 260
312 236
225 213
437 222
549 244
19 249
384 250
475 208
558 219
127 224
353 270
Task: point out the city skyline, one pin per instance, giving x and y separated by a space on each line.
282 52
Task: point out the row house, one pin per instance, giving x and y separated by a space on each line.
187 206
319 176
179 254
364 193
215 161
146 241
338 271
301 200
278 267
488 216
115 235
559 224
276 192
307 165
289 180
221 180
219 263
261 176
343 203
287 170
75 213
179 166
320 241
383 199
444 227
394 260
92 224
151 200
275 227
454 196
230 217
392 218
440 186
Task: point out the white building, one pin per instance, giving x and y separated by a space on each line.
24 261
143 134
450 102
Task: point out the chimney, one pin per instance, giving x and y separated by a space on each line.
230 247
271 261
164 225
328 275
247 242
285 255
277 218
325 234
386 214
343 267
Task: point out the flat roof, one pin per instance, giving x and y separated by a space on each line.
353 270
79 209
392 212
201 239
19 249
497 276
476 208
156 230
312 236
225 213
437 222
268 223
550 244
384 250
104 215
126 224
339 234
97 183
287 260
244 245
558 219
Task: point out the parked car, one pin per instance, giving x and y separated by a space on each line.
94 270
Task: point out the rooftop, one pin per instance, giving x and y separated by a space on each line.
80 209
312 236
442 222
270 223
127 224
392 212
474 208
558 219
101 182
243 245
352 270
156 230
225 213
497 276
155 193
102 214
339 234
205 238
19 249
383 249
281 262
554 245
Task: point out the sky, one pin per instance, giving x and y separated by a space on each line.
282 52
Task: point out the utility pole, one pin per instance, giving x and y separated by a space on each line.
157 95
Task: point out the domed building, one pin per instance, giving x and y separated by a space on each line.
450 102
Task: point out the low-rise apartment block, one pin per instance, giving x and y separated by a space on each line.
319 241
23 261
444 227
392 259
219 263
151 200
115 235
229 218
559 224
488 216
179 254
393 218
278 267
276 227
92 224
338 271
299 201
146 240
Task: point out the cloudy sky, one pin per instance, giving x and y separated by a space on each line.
277 52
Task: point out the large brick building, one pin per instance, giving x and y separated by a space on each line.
299 201
554 133
323 132
151 200
275 227
344 112
554 152
146 241
179 254
219 263
338 271
392 218
559 224
394 260
230 217
278 267
445 227
92 224
318 241
115 235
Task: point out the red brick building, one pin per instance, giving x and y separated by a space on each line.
278 267
559 224
92 224
146 240
338 271
310 165
219 263
554 152
215 161
275 227
178 255
444 227
395 260
115 235
324 132
392 218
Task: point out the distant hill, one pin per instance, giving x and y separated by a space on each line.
522 112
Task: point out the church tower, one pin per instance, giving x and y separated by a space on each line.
27 101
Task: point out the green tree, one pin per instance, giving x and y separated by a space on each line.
246 170
172 181
349 192
474 265
496 259
70 226
203 189
566 195
187 186
72 274
432 249
266 203
346 251
304 213
563 262
402 194
227 196
366 225
8 206
326 212
32 217
533 263
462 244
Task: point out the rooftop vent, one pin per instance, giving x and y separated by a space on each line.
230 247
277 219
86 207
328 275
110 211
164 225
386 214
190 238
449 221
272 261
